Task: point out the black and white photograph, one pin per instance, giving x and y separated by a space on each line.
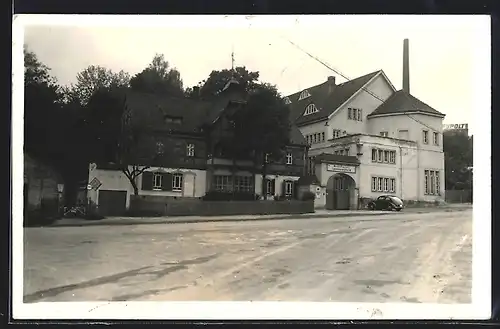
251 167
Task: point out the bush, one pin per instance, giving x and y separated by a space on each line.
308 196
229 196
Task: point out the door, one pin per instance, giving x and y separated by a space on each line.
112 203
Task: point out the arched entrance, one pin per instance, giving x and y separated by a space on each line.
340 192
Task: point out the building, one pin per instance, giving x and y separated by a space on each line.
182 157
368 139
43 188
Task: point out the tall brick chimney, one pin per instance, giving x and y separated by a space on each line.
331 84
406 66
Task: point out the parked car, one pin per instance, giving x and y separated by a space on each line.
386 202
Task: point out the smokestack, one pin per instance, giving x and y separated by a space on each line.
406 66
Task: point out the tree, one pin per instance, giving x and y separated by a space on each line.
158 78
262 127
216 81
113 136
92 79
457 148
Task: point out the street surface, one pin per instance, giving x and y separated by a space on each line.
408 257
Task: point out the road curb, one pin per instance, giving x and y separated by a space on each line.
145 221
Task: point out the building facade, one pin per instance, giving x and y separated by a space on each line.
180 156
367 139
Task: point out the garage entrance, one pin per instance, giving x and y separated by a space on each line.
112 203
340 192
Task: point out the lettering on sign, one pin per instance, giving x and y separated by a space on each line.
341 168
456 126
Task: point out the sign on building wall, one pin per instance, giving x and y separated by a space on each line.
340 168
95 184
456 126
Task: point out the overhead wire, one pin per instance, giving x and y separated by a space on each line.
363 88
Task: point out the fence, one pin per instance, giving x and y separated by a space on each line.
458 196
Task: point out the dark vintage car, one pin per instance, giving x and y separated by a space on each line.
386 202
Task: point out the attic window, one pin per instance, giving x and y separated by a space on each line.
304 95
172 119
310 109
287 100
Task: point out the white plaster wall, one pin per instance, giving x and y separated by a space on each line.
279 180
363 100
193 183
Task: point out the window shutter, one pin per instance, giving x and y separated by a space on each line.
147 181
273 186
166 182
283 188
295 189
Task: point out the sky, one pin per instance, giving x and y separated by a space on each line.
447 53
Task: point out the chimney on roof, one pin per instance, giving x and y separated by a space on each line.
331 83
406 66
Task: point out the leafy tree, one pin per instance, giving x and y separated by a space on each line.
92 79
216 81
158 78
457 149
113 136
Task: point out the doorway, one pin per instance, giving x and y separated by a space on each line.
340 192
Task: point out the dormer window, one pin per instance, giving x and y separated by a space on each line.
287 100
173 119
304 95
310 109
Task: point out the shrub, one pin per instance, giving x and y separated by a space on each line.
308 196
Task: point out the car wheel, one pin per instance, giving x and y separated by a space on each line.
399 209
371 206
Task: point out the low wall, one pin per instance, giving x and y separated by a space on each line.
157 206
458 196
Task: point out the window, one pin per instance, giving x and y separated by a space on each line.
157 177
386 156
310 109
177 182
426 181
432 182
288 188
403 134
287 100
304 95
223 183
383 184
380 155
289 158
341 152
172 119
436 138
243 184
270 187
160 148
190 150
392 156
315 138
384 134
347 150
336 133
354 114
374 155
425 136
323 136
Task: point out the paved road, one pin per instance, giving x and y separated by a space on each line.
406 257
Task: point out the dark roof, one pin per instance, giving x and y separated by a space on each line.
401 102
296 136
150 110
325 101
308 180
327 157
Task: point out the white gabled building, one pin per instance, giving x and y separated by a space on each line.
367 139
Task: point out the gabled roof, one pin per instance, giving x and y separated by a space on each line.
402 102
326 102
151 110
